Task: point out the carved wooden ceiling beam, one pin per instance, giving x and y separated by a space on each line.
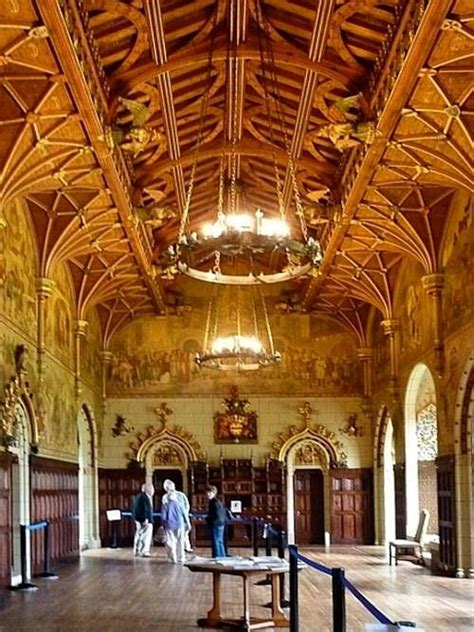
63 43
360 170
160 57
197 55
316 50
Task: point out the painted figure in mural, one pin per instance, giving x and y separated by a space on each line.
216 521
142 513
169 488
175 520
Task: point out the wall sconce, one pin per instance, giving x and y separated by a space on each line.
350 428
121 427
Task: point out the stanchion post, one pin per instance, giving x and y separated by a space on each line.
114 543
338 600
268 539
284 603
294 607
25 584
255 536
47 574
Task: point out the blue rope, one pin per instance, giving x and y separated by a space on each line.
36 526
316 565
380 616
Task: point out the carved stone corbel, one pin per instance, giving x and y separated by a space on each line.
433 285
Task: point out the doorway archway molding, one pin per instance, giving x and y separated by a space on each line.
308 447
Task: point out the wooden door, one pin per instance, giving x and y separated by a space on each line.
5 520
400 501
352 515
446 513
309 507
159 477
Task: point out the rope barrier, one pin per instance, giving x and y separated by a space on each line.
339 584
378 614
47 574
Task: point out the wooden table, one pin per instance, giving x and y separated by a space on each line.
246 623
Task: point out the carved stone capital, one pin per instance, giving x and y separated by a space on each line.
105 357
44 287
433 284
389 326
80 328
365 353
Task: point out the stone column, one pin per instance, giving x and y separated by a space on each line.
44 288
433 285
105 358
80 331
390 327
290 504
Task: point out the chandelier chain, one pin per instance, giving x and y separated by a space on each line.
281 116
267 325
202 117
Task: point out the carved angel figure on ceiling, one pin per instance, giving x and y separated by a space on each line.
154 216
346 135
135 136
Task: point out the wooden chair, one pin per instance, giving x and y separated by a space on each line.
415 546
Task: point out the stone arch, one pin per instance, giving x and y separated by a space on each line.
308 448
168 447
464 478
420 381
464 415
88 479
17 392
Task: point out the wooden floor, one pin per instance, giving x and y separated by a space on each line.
108 590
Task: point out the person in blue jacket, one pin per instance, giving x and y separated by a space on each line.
175 520
216 521
142 513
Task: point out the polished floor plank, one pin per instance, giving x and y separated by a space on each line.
108 590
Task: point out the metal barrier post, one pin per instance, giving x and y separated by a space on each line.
268 540
25 584
255 536
294 608
338 600
47 574
114 543
284 603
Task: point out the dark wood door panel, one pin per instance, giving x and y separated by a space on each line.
309 506
352 516
5 519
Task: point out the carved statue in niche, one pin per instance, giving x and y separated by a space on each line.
308 454
21 355
167 454
351 427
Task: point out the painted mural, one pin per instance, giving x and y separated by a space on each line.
61 411
17 267
59 316
412 309
91 368
155 356
458 253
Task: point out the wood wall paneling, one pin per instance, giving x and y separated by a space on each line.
352 514
5 518
446 513
117 489
400 501
54 497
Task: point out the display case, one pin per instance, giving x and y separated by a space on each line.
260 491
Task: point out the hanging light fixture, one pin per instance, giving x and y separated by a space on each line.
237 343
244 248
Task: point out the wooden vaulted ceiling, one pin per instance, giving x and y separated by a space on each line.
65 65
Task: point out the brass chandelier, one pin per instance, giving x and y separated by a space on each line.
244 249
235 344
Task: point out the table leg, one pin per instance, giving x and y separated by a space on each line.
246 601
278 615
213 618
